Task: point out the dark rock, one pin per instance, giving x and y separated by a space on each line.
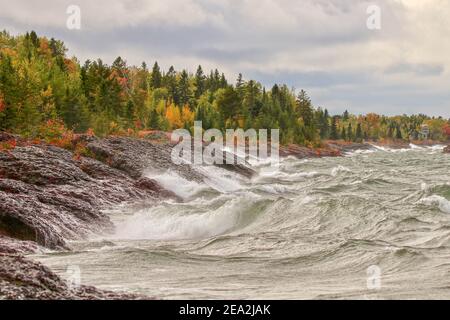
49 196
4 136
301 152
153 186
21 278
447 149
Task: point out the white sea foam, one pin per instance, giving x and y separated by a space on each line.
435 200
220 179
285 176
358 152
165 223
386 149
172 181
415 147
336 170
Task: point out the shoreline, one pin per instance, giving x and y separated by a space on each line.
48 199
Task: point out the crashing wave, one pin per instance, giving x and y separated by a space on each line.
442 203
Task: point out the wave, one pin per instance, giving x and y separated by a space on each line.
220 179
359 152
336 170
412 147
442 203
285 176
172 181
186 223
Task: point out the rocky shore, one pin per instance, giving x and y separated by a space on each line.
51 196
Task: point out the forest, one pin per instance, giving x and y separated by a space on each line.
44 94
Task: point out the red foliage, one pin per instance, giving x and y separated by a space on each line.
2 104
138 124
54 132
446 130
8 145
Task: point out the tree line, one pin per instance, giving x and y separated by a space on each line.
40 86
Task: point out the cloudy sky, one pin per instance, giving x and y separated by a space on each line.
323 46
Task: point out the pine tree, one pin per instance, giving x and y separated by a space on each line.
228 103
154 122
345 116
350 132
333 130
343 134
170 82
184 91
359 134
304 108
156 77
398 134
239 81
199 82
223 81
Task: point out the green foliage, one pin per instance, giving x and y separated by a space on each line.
40 86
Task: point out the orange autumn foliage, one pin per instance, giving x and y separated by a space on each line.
173 116
55 132
187 116
446 130
8 145
2 103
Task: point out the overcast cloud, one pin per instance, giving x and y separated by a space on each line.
322 46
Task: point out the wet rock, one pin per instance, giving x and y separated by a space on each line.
135 157
4 136
48 197
153 186
13 246
349 146
21 278
301 152
447 149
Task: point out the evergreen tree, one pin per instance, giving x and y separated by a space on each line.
239 81
343 134
345 116
359 134
199 82
170 82
184 90
333 130
398 134
154 122
350 132
228 103
156 78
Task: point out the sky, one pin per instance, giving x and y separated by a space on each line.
322 46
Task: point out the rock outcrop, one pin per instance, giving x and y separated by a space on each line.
21 278
330 149
49 195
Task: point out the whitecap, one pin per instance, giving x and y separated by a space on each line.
442 203
336 170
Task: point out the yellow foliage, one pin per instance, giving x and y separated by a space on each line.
187 116
173 116
161 107
48 103
8 52
44 47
